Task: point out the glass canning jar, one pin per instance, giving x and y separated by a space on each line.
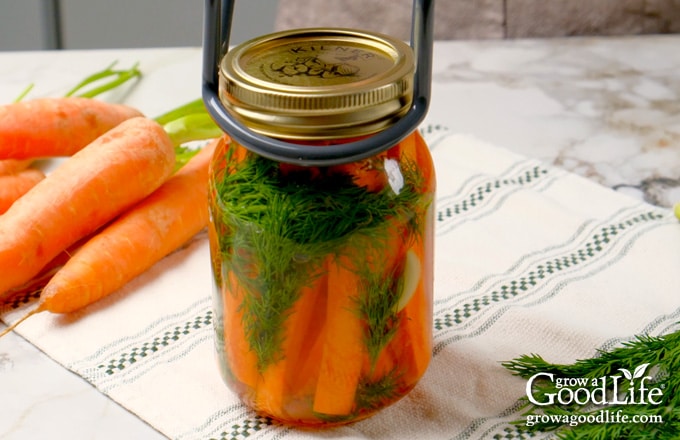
323 273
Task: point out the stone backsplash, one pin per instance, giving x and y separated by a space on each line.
485 19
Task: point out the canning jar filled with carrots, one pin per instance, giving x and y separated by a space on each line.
322 268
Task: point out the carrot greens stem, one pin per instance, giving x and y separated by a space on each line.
185 124
191 107
25 92
120 77
192 127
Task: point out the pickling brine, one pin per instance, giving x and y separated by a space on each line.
321 226
323 280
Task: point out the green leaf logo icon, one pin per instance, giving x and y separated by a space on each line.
626 373
640 371
637 373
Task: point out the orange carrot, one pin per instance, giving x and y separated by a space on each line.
300 327
305 346
49 127
414 149
241 359
15 185
418 311
404 358
87 190
387 360
135 241
11 166
38 282
413 340
417 324
302 381
340 364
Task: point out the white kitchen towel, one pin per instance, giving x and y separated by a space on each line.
528 259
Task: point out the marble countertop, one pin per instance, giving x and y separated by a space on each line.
604 108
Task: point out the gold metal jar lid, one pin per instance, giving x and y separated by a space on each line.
319 83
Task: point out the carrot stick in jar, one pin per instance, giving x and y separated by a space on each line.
340 367
281 379
241 359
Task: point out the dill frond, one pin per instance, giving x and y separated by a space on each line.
277 228
660 353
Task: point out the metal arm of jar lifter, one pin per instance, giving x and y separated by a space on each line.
217 27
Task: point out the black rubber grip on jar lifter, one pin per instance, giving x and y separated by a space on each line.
216 33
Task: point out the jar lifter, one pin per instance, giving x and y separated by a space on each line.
216 33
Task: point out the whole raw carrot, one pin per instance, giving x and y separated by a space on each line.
13 186
135 241
86 191
38 282
49 127
11 166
